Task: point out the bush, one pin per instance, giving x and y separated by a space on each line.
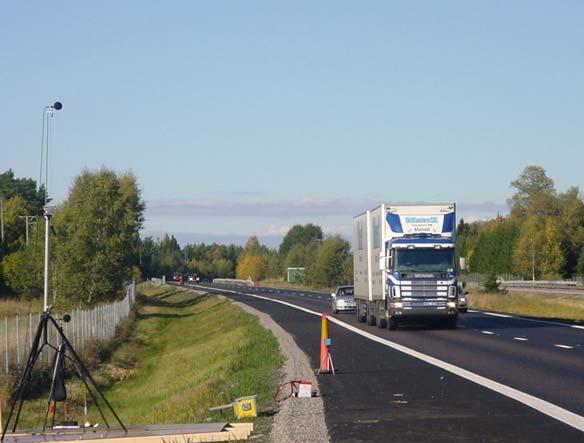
493 286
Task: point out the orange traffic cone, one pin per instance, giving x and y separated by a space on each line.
326 361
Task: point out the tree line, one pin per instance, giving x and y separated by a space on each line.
541 238
94 241
96 246
327 261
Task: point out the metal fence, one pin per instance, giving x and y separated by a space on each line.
509 280
234 281
16 333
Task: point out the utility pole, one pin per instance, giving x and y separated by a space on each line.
2 218
26 219
532 264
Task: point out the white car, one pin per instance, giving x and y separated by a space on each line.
343 299
462 301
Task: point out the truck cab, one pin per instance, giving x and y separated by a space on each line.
421 278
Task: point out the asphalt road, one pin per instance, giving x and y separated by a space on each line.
380 392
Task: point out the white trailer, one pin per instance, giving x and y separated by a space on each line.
404 265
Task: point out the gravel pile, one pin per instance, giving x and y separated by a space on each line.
299 419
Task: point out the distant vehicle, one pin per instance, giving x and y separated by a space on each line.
343 299
192 278
177 276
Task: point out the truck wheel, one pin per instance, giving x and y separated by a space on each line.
381 322
360 316
370 320
391 324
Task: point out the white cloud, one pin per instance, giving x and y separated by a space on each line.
305 207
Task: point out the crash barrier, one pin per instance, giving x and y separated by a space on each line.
234 281
547 284
510 280
16 333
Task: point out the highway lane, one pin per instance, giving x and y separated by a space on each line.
380 392
540 358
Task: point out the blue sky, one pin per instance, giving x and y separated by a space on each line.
244 118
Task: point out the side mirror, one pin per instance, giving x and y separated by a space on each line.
462 263
333 295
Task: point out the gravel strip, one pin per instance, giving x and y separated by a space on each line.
299 419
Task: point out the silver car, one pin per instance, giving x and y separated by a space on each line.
462 300
343 299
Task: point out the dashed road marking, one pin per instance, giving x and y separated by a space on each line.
494 314
520 338
488 332
564 346
550 409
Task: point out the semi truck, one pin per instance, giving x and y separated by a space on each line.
404 265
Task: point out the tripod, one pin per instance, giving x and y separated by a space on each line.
64 351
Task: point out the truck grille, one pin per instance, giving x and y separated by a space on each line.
423 294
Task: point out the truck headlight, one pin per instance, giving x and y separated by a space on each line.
395 292
452 292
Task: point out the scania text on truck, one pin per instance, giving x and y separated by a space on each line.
404 264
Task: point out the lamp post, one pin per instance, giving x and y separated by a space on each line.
48 113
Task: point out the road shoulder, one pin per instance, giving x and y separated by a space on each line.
299 419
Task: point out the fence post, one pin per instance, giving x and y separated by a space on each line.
6 342
30 329
17 340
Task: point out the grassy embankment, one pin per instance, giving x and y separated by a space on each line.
185 353
533 304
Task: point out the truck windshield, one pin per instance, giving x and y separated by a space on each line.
423 260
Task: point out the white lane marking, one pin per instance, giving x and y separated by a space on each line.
488 332
302 293
554 411
318 296
494 314
564 346
520 338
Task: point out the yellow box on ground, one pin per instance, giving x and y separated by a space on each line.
245 406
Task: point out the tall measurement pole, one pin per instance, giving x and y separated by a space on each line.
48 111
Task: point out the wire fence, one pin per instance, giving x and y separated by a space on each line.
17 333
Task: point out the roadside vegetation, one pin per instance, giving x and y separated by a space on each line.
327 260
533 304
183 353
94 245
541 238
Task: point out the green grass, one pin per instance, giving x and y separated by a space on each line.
551 306
186 353
11 306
